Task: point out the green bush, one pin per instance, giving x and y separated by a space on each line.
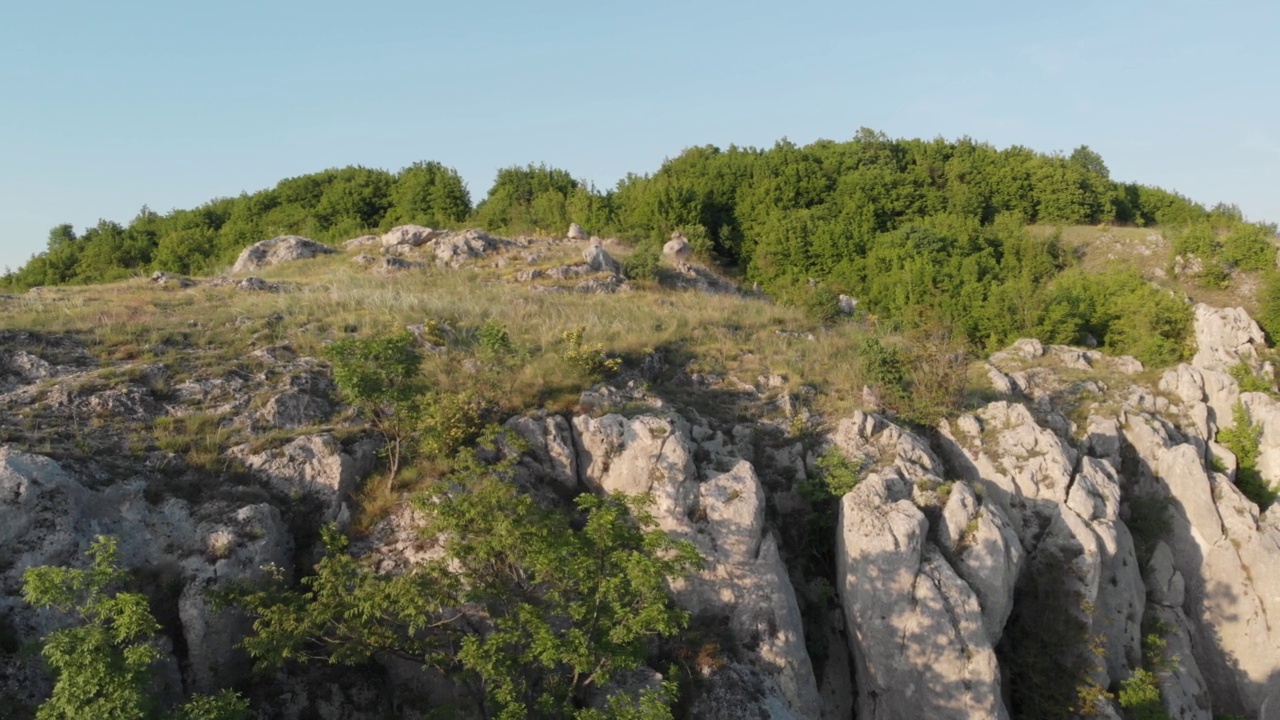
591 360
1140 697
529 609
103 662
380 377
1243 439
643 263
1248 380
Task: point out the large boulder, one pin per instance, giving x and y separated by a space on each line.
677 248
411 235
285 248
576 232
1225 337
599 259
454 248
49 517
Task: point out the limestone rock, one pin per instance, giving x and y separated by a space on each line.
312 466
164 279
870 440
986 553
454 248
394 265
744 580
364 241
600 260
255 537
294 409
551 452
410 235
285 248
677 248
576 232
1225 337
915 628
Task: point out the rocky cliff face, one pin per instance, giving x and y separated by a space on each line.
1035 544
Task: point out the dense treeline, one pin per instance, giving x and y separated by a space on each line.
922 232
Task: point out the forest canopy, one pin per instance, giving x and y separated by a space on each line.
920 231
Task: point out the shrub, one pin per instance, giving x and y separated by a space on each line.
1243 439
530 609
494 342
103 663
379 376
1140 697
446 422
590 360
643 263
1247 380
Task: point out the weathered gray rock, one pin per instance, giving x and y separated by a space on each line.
915 628
1225 337
285 248
846 305
871 441
164 279
311 466
744 579
600 260
1015 462
364 241
255 537
986 553
294 409
410 235
677 248
550 453
454 248
576 232
1230 564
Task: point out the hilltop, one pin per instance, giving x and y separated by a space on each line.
932 462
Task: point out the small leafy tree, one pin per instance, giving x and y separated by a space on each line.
1243 439
104 662
589 359
529 614
379 376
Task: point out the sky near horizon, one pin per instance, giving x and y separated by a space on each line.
106 107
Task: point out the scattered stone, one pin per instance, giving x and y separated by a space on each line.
576 232
394 265
608 286
164 279
361 242
846 304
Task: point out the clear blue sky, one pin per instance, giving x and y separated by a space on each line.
107 106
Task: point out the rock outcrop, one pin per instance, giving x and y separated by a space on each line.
411 235
285 248
719 506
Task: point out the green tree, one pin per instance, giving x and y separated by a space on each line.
428 193
526 612
103 662
379 376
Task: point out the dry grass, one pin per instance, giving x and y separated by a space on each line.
1149 252
210 329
